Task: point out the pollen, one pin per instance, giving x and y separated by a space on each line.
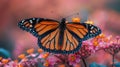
45 55
89 22
76 19
30 51
22 56
40 50
5 61
95 43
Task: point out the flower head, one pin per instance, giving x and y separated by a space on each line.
85 51
73 59
76 19
30 51
113 47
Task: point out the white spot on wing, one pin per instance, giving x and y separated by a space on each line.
31 21
23 21
92 27
33 18
90 31
37 20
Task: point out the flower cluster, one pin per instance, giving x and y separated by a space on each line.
86 50
40 58
101 41
113 47
30 60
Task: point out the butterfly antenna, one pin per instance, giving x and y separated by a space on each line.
72 15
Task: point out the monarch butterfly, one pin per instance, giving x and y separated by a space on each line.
59 37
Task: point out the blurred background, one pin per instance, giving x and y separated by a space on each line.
13 41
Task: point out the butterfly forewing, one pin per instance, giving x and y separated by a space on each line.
38 26
83 31
77 29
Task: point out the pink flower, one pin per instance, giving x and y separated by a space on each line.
73 59
86 50
52 60
113 47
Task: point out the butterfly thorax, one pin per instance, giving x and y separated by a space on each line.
62 24
62 27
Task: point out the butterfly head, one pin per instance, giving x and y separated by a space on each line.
63 20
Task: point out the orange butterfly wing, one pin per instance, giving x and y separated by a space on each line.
83 31
78 29
50 42
38 26
45 26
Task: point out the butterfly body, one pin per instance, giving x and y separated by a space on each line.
62 29
59 37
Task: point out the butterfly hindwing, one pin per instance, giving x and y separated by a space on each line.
50 42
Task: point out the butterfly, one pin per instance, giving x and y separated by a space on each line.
59 37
